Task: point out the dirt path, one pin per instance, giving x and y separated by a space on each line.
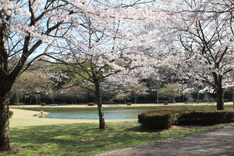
219 142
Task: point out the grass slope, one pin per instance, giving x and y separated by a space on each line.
41 136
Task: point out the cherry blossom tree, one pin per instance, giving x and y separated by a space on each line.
27 31
36 86
24 27
229 84
97 49
29 28
201 37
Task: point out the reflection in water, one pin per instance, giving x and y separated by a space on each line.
111 113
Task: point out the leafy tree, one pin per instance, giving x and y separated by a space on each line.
73 92
123 96
171 90
161 75
52 95
137 89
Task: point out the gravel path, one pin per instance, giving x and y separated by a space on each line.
219 142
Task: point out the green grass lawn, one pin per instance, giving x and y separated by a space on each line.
41 136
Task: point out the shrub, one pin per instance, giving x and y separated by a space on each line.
107 102
129 103
159 119
205 117
166 102
10 113
43 104
165 118
91 104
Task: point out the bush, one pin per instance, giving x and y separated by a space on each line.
129 103
10 113
107 102
43 104
166 103
205 117
158 119
91 104
165 118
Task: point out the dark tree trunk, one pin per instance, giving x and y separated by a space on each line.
220 104
5 87
102 124
219 89
4 122
233 97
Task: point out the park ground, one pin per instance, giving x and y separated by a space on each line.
217 142
31 135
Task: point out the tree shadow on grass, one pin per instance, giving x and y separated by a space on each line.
140 129
79 139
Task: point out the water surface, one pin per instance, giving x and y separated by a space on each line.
112 112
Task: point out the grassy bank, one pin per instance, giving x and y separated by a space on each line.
41 136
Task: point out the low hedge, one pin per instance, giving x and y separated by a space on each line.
205 117
165 118
158 119
107 102
91 104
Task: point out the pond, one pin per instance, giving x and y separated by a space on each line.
112 112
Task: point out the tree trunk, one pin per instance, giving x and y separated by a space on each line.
220 104
233 97
157 97
17 98
102 124
157 93
39 100
4 123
